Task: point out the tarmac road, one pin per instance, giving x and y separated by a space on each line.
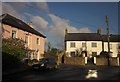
69 72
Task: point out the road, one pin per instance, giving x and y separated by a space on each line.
68 72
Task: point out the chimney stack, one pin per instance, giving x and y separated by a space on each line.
30 24
66 31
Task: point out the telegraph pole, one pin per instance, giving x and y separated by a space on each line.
66 31
108 39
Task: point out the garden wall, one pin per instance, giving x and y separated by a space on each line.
104 61
75 60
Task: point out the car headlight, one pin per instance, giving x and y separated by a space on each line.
42 64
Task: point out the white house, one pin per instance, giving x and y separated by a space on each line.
90 44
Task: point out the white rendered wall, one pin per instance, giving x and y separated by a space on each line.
91 49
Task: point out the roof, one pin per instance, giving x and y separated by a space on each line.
17 23
90 37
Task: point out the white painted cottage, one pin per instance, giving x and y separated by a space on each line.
90 44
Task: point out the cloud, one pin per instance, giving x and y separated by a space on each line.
39 22
54 31
19 9
84 30
58 29
43 6
7 8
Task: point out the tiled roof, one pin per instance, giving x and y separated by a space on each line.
90 37
15 22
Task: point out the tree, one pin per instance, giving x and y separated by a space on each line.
16 47
49 48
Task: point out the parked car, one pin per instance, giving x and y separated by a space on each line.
45 63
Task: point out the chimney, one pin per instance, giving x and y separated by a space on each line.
30 24
66 31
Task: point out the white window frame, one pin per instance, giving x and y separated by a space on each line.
14 34
83 44
27 39
110 46
72 45
38 41
72 53
94 45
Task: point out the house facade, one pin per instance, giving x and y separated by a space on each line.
90 44
15 28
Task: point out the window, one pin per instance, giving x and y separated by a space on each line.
94 54
72 54
83 44
37 42
94 44
118 49
110 46
27 40
118 46
72 44
13 34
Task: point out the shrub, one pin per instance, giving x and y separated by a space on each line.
103 54
10 61
15 47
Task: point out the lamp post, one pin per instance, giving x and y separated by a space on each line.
108 39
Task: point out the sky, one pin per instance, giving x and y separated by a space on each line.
52 18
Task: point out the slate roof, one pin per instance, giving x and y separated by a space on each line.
17 23
90 37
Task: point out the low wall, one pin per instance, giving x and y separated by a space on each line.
114 61
75 60
101 61
104 61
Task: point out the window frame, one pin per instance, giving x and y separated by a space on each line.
94 44
83 44
110 46
14 34
38 41
72 45
72 53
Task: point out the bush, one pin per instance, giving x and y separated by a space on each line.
103 54
15 47
10 61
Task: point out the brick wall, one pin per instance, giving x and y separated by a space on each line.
75 60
